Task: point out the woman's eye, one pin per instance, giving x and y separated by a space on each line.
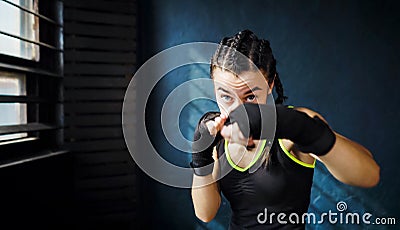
250 98
226 98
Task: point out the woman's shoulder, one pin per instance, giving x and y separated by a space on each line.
308 111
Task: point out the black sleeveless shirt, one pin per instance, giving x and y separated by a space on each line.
281 186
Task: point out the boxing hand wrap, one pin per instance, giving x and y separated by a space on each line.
203 144
311 135
249 117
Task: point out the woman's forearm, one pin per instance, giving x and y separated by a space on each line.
206 194
206 198
351 163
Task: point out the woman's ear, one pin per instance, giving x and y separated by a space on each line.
271 86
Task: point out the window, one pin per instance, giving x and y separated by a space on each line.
30 78
12 113
23 26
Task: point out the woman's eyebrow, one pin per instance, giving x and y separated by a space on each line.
224 90
252 90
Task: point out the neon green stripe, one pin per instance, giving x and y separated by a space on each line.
294 158
251 164
290 106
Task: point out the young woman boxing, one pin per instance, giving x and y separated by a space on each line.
282 184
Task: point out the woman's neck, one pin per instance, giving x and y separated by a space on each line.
242 156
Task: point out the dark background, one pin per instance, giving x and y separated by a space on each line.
340 58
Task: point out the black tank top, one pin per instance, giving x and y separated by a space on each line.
281 186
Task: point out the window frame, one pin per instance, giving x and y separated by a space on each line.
44 95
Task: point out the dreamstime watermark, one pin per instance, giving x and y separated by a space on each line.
333 217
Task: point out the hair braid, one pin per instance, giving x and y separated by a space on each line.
279 90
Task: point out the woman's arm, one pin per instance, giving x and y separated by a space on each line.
351 163
206 194
348 161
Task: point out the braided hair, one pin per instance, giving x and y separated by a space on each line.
257 50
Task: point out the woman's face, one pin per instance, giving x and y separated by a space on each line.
231 90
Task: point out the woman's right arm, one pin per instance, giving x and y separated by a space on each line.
205 189
206 194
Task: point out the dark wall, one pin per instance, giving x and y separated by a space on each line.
100 59
340 58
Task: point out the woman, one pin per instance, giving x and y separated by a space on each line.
283 183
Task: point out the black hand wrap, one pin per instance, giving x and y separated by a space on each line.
203 144
311 135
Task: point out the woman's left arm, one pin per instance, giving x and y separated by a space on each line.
351 163
348 161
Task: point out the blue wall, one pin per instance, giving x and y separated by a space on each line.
340 58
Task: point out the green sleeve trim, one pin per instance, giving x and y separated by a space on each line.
290 106
294 158
228 157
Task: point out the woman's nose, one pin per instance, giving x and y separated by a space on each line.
234 106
